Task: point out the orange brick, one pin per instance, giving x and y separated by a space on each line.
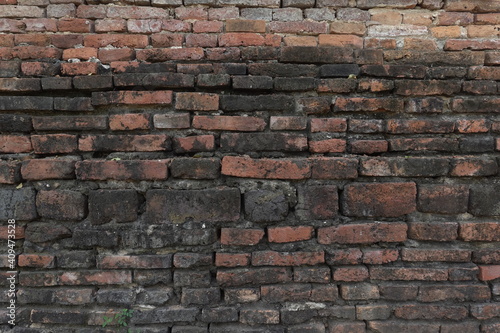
301 41
246 26
341 41
483 31
79 68
348 28
83 53
128 122
446 31
420 44
289 234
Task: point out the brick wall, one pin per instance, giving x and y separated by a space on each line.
223 166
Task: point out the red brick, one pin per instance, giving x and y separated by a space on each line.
485 311
229 123
84 53
328 125
248 39
439 231
364 233
128 122
116 40
197 143
383 199
473 126
107 56
344 257
265 168
232 259
480 231
334 168
31 39
428 255
197 101
223 54
484 72
79 68
299 27
74 25
369 146
18 234
245 26
111 25
289 234
300 41
379 257
472 44
380 43
36 260
408 274
328 146
241 237
132 97
351 274
144 26
40 169
124 142
341 41
207 26
122 170
29 52
272 258
201 40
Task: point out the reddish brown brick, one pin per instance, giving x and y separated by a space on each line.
334 168
488 273
122 170
39 169
289 234
265 168
129 122
36 260
197 143
272 258
439 231
229 123
241 237
379 257
369 146
132 97
363 233
328 146
246 26
232 259
427 255
443 199
197 101
480 231
351 274
15 144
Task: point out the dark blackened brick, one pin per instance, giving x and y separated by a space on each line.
70 123
230 68
288 70
295 84
25 103
446 72
257 103
76 259
10 172
253 82
399 71
265 206
16 84
168 80
243 276
73 104
484 200
61 205
45 232
244 142
311 55
317 202
187 260
58 317
256 53
340 70
213 80
191 278
200 296
115 296
148 142
177 206
9 68
113 205
477 104
434 58
18 204
54 143
199 168
426 105
168 314
56 83
192 237
443 199
85 238
93 82
15 123
219 315
477 144
315 105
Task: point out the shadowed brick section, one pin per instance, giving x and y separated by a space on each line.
383 199
122 170
456 293
178 206
70 123
9 172
197 101
439 231
431 312
334 168
201 168
408 274
23 103
363 233
443 199
241 237
322 55
113 206
168 314
483 200
257 103
229 123
265 206
265 168
15 123
61 205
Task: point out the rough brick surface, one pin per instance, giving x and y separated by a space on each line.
251 166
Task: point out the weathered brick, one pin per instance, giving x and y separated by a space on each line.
371 233
334 168
15 144
132 97
257 103
398 292
40 169
244 142
431 312
134 261
259 316
169 314
261 275
54 143
201 168
265 206
265 168
328 146
354 104
45 232
388 326
113 206
426 255
172 121
197 101
311 275
456 293
317 202
487 104
178 206
434 57
272 258
408 274
479 231
308 55
443 199
373 312
359 291
488 273
350 274
369 146
61 205
318 105
70 123
147 142
379 257
341 41
252 82
9 172
384 199
128 122
424 144
199 143
482 200
241 237
36 260
425 231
